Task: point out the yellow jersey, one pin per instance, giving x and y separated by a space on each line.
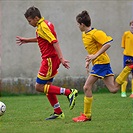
127 43
93 41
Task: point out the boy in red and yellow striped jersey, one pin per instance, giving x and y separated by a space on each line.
51 59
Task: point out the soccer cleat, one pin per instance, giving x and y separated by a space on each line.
55 116
81 118
131 96
72 97
123 94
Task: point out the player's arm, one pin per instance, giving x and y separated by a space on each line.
102 50
123 40
60 55
102 39
22 40
52 40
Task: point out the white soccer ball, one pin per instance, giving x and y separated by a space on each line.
2 108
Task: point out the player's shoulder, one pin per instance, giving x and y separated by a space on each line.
49 24
98 32
126 32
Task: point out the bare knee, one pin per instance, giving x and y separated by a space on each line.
84 88
87 91
39 87
113 91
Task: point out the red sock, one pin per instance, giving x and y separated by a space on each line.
67 92
54 90
58 90
54 103
131 66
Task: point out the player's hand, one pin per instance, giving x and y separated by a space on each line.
90 57
65 63
87 63
21 40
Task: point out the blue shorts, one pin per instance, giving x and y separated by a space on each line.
127 58
101 70
40 81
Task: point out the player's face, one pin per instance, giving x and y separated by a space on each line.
32 21
81 26
131 27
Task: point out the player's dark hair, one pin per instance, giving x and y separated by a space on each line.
32 12
84 18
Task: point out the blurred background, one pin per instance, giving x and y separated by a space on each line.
19 64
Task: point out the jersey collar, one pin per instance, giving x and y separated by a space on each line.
89 30
41 20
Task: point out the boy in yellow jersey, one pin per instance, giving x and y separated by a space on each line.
127 45
51 59
96 42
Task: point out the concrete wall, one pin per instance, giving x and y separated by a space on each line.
23 62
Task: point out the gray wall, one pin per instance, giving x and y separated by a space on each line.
23 61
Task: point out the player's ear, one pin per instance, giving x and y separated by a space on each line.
82 24
36 18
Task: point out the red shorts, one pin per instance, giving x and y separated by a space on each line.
49 68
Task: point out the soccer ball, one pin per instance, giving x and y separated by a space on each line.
2 108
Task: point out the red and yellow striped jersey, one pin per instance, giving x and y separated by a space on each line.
46 36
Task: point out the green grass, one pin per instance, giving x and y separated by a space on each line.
26 114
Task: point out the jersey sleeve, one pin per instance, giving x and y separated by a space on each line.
101 37
45 33
123 40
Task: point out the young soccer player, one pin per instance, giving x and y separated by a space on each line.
51 59
96 42
127 45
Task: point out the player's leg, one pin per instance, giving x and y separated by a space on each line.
56 106
58 113
131 96
126 61
125 72
51 89
123 89
123 76
86 116
115 86
52 99
47 71
98 70
109 82
71 94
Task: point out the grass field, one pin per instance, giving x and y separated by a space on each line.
26 114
